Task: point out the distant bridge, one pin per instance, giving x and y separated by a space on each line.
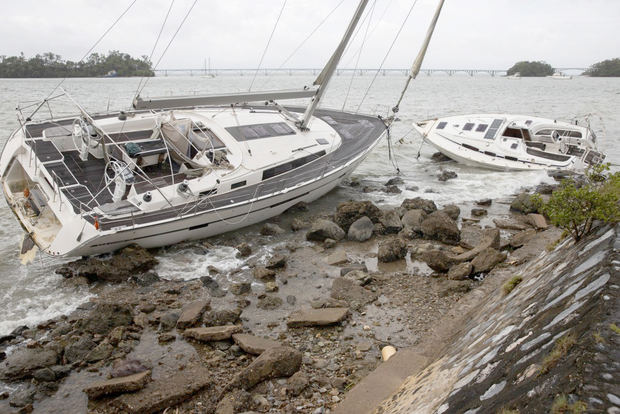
339 72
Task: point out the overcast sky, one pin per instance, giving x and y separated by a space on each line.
490 34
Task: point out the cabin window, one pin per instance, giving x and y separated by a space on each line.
257 131
481 127
282 168
442 125
237 185
513 133
573 134
526 134
208 192
468 126
493 129
470 147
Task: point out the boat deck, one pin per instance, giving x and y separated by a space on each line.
83 183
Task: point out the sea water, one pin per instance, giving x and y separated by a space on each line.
34 293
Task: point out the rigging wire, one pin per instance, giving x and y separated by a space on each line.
170 43
267 45
310 35
359 55
92 47
386 55
155 45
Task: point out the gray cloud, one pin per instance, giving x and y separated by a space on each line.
470 33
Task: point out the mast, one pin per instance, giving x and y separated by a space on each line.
417 64
326 74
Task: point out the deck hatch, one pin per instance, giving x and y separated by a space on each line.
257 131
468 126
481 127
493 129
442 125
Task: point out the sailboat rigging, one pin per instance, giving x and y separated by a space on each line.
179 168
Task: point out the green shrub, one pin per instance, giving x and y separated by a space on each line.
526 68
511 284
574 207
561 406
609 67
560 350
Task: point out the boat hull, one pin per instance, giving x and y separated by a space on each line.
214 222
504 142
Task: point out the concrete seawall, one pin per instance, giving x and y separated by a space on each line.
554 334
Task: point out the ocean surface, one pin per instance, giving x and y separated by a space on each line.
34 293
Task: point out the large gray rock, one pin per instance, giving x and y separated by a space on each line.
391 222
277 261
244 249
271 229
446 175
487 260
438 260
413 219
166 392
352 293
106 316
276 362
118 385
191 313
100 352
269 302
254 345
77 351
22 398
297 383
509 224
222 316
538 221
453 211
523 203
519 239
317 317
460 271
488 238
350 211
438 226
325 229
264 274
391 250
129 261
361 229
419 204
212 333
212 286
23 362
169 320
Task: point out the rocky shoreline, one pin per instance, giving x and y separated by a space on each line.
288 332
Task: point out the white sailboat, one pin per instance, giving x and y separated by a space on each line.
179 168
560 76
512 142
